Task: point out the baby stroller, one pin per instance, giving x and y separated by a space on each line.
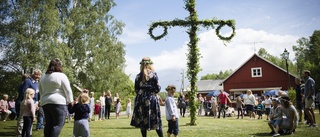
207 105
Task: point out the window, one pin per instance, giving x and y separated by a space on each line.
256 72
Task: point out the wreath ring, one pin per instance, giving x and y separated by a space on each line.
222 25
165 31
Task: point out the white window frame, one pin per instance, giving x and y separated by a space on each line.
256 70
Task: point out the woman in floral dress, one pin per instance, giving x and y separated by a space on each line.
146 113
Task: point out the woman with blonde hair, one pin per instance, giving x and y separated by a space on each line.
82 111
250 102
214 106
4 107
146 113
128 108
108 103
29 114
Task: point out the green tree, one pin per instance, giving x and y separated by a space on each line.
9 83
20 35
97 56
279 61
307 53
23 33
313 56
220 76
301 50
82 35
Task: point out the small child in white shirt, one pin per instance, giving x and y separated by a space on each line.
118 108
128 110
172 114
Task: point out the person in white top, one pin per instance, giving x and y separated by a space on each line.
4 107
118 108
103 104
200 102
56 93
128 110
172 114
250 102
91 105
115 98
267 104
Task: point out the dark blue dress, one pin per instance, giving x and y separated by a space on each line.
146 113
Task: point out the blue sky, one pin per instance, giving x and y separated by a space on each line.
270 24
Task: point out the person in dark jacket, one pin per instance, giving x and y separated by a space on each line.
81 110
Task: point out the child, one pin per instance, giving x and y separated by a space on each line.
275 117
40 116
69 115
118 108
260 109
129 112
12 108
29 112
214 107
97 108
91 105
81 111
172 112
240 105
4 107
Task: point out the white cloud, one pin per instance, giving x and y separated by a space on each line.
215 55
133 36
268 17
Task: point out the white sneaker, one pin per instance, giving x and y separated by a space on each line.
276 134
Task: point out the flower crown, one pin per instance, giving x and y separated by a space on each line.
171 87
146 61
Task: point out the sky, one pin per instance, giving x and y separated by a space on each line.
274 25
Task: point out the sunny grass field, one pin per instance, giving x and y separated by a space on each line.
206 127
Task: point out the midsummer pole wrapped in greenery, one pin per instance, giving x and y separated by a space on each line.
194 55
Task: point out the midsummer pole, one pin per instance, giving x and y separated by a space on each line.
193 56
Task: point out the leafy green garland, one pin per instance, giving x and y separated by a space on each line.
194 51
183 23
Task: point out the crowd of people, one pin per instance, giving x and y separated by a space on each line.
282 114
49 99
57 103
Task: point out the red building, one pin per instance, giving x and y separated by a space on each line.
259 75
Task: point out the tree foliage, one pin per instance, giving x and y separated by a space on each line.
301 50
307 53
82 34
279 61
221 75
9 83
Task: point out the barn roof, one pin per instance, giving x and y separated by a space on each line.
206 86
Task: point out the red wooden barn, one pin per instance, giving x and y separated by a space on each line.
259 75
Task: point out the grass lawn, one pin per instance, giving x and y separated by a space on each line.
206 127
